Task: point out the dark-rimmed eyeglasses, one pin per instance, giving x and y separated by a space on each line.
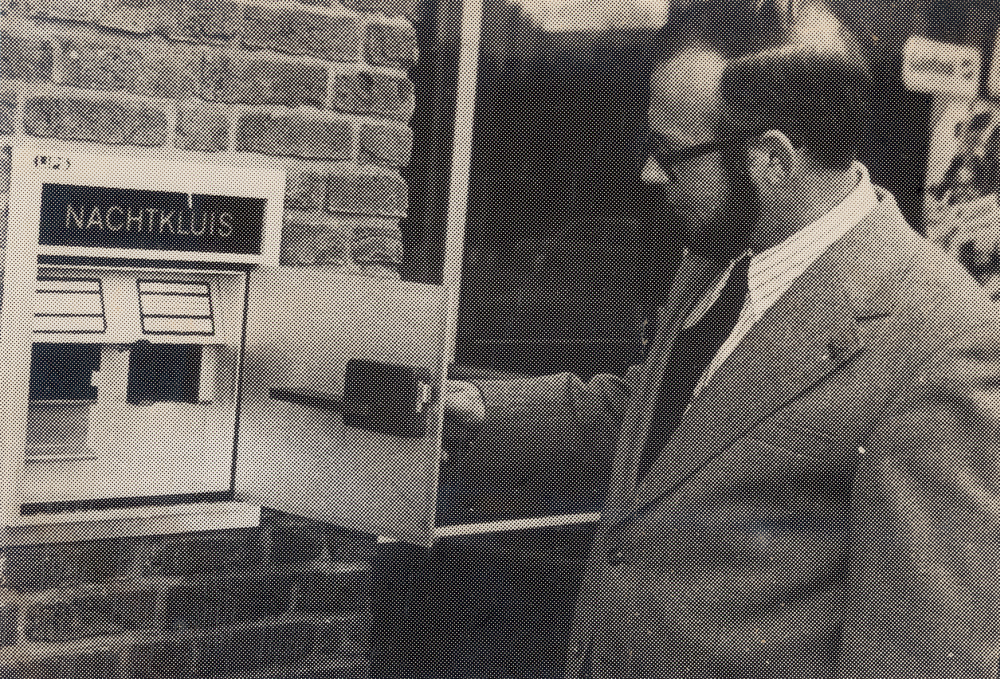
668 158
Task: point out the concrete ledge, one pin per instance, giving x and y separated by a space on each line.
134 521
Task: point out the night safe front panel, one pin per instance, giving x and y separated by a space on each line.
123 310
133 383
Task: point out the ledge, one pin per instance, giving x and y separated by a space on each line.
130 522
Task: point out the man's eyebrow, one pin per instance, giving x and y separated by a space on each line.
664 140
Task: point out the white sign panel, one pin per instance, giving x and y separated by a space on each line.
939 67
104 206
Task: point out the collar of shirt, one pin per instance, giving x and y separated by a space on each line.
773 271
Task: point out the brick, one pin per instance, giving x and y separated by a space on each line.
359 669
254 597
25 57
266 645
205 21
251 647
289 641
201 127
305 187
214 654
388 145
366 227
8 112
189 554
191 606
373 93
334 593
132 608
300 31
138 16
168 659
344 636
68 616
72 10
347 546
8 624
98 664
377 249
40 668
368 194
265 81
390 8
314 239
224 601
103 120
304 133
291 543
39 567
199 21
150 67
391 45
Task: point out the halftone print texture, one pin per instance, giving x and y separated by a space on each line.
827 504
319 89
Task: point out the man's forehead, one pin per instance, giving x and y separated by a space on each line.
684 95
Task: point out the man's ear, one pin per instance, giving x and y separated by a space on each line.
772 158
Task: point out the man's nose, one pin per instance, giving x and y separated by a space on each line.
652 173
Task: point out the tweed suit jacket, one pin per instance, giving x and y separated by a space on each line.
829 505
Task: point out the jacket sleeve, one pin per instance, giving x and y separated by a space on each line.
923 597
557 424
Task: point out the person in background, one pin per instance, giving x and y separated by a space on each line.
962 212
804 479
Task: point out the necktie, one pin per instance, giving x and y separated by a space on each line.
692 351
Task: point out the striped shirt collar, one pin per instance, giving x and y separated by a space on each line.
772 271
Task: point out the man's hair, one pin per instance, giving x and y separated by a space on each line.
791 66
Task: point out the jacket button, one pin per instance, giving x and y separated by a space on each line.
574 650
615 556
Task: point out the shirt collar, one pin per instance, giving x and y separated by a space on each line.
772 271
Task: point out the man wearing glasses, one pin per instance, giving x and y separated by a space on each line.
803 477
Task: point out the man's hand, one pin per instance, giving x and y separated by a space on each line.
464 412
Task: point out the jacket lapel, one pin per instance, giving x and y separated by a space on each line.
811 331
805 335
691 282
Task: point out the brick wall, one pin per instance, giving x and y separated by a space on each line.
288 599
319 87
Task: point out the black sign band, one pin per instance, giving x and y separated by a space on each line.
135 219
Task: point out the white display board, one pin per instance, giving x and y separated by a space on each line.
941 68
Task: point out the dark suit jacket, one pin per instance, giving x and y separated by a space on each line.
830 503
